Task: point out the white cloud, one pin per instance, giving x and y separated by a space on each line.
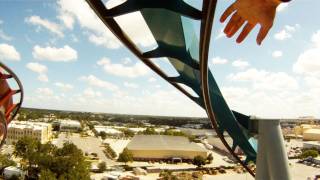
44 91
315 39
131 85
98 33
65 54
277 54
8 52
51 26
43 78
136 70
67 20
282 7
37 67
249 75
219 60
234 92
312 82
286 32
152 79
4 36
127 60
133 24
90 93
276 104
240 63
40 69
308 62
282 35
94 81
265 80
63 86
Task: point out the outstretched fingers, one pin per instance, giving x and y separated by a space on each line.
245 31
227 13
262 33
237 25
233 20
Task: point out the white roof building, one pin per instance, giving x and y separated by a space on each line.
107 130
69 125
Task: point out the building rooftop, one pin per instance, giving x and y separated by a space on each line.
312 131
107 129
163 142
28 125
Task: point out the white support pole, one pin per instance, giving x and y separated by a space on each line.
262 161
272 160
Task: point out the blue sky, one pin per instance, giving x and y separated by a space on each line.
68 60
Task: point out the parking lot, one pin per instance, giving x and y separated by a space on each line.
88 144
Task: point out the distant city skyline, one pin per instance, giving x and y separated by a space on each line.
68 60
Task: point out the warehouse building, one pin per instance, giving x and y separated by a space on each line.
162 147
110 131
311 135
70 125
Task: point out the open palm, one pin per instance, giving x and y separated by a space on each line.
250 13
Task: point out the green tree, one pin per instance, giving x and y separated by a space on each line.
149 131
5 161
110 152
103 135
70 163
47 175
210 158
125 156
310 152
27 148
167 175
102 166
13 177
198 161
127 133
67 162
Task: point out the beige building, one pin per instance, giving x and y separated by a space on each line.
162 147
37 130
311 135
309 132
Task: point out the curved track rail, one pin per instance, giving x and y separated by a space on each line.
9 109
206 28
204 99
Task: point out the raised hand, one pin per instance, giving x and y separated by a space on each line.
250 13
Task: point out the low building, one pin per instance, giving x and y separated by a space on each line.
136 130
108 130
192 126
37 130
69 125
198 132
311 134
312 144
162 147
